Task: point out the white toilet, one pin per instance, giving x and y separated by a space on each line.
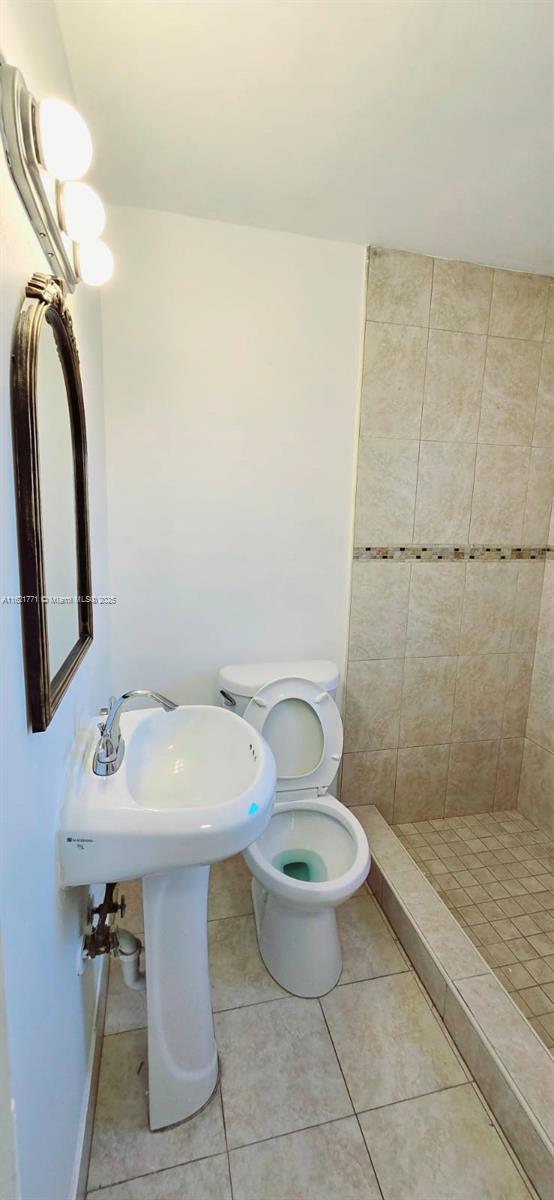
314 853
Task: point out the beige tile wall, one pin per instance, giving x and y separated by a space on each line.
536 796
456 446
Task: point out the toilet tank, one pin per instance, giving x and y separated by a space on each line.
242 680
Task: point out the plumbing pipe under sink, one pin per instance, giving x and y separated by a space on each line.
128 954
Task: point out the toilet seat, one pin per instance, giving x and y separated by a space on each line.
322 704
348 876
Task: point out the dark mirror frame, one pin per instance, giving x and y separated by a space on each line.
45 301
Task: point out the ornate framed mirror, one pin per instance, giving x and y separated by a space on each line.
50 454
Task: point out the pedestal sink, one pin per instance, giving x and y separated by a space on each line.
196 785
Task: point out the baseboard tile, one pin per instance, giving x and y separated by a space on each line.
89 1104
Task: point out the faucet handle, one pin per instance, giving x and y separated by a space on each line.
104 711
106 750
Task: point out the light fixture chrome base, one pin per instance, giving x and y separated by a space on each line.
17 126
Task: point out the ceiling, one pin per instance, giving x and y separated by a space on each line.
423 125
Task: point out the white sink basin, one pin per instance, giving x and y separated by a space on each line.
195 785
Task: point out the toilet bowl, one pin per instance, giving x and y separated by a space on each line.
313 854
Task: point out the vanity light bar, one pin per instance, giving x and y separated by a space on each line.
18 135
93 262
63 140
81 213
48 147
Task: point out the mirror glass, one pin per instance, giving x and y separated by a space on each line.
57 494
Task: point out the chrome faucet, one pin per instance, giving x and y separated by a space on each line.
109 752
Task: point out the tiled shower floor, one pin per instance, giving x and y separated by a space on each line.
495 873
359 1096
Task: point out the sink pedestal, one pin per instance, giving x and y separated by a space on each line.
182 1053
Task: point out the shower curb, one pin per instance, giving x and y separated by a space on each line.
506 1057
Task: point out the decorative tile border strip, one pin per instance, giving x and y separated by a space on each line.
452 553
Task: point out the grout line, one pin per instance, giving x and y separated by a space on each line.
452 1087
533 443
546 749
481 393
386 923
497 763
220 1012
406 645
481 410
445 801
408 608
428 745
415 657
513 737
427 349
356 477
402 686
157 1171
419 439
398 746
502 337
419 442
276 1137
490 1117
229 1174
431 291
220 1090
512 1154
494 273
444 1030
454 698
516 591
530 448
387 437
461 625
350 1098
103 1047
231 917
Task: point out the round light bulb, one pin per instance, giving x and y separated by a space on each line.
65 144
81 211
95 262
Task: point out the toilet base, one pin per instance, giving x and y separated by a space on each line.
300 948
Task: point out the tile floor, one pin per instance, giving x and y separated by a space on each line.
495 873
361 1096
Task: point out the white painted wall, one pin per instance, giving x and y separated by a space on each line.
9 1179
424 125
231 360
49 1010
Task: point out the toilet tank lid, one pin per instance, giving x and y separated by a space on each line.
245 679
